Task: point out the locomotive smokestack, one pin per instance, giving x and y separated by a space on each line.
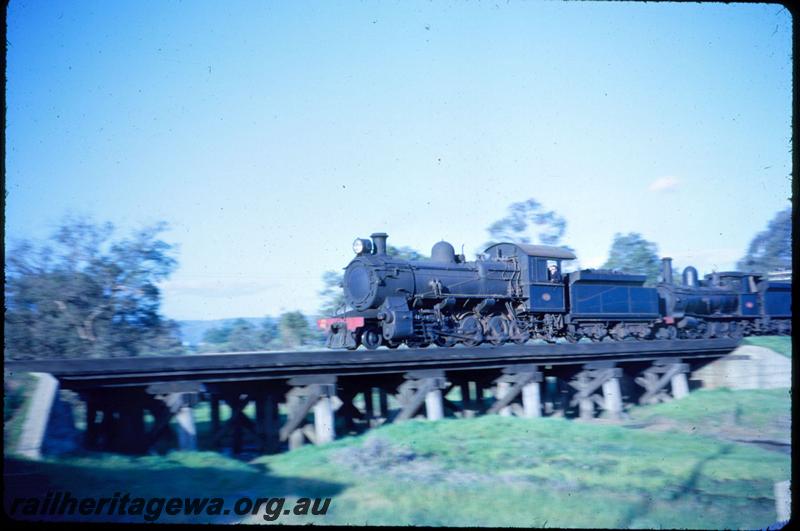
379 242
666 270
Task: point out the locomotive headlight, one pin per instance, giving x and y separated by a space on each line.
362 246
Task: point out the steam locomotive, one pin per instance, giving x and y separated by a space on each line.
517 292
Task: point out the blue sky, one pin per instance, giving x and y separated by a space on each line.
270 134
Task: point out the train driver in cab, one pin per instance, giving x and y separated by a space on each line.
553 274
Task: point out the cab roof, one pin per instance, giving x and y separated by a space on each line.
542 251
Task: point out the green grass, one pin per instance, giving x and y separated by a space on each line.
17 392
505 471
780 344
753 414
488 471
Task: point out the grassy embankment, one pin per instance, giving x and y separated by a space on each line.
691 471
780 344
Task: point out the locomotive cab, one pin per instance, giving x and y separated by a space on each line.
541 283
546 284
734 281
743 288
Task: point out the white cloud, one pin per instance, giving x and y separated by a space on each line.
664 184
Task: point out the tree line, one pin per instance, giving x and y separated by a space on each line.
88 292
291 330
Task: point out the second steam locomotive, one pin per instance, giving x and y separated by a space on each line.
516 292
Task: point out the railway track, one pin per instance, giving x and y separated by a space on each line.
248 366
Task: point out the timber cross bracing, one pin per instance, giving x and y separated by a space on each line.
277 401
661 375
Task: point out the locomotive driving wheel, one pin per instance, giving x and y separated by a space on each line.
497 330
471 330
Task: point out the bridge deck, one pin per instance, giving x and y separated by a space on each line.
248 366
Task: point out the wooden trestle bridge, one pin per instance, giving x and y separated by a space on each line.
315 396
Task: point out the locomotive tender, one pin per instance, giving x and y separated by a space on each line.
516 292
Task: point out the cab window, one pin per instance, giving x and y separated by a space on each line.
732 283
554 271
752 285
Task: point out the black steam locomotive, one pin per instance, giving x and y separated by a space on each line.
516 292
